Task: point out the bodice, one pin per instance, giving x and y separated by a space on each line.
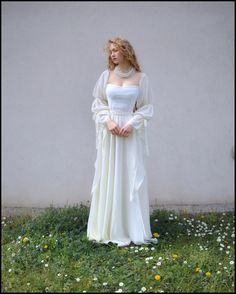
122 98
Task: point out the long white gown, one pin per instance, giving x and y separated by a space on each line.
119 211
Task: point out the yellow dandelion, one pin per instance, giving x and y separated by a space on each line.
197 269
25 240
157 277
45 246
174 256
156 235
208 274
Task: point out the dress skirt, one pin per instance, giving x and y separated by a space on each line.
119 211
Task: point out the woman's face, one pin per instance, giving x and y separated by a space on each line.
115 54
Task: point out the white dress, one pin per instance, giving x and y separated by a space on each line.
119 211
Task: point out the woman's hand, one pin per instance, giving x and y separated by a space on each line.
113 127
126 130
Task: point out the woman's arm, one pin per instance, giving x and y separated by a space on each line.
144 106
100 107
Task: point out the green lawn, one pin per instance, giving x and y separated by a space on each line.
50 253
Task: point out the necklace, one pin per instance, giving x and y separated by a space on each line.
124 74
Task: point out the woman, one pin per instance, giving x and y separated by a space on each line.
119 211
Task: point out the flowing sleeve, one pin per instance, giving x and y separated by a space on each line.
100 106
144 111
144 106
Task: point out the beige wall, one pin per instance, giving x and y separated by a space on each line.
52 55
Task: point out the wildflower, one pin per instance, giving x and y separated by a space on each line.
197 269
45 247
143 289
174 256
28 284
9 270
104 284
119 291
157 277
158 263
77 279
59 274
46 265
231 262
208 274
156 235
25 240
121 284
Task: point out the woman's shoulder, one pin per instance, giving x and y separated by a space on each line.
143 77
143 74
104 74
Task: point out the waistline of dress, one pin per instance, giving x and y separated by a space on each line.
120 112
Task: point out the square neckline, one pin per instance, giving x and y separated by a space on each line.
140 78
123 86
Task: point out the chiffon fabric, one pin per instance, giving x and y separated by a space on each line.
119 211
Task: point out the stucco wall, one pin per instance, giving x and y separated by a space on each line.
52 55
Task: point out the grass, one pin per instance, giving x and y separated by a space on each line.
51 253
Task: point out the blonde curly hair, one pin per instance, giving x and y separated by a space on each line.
126 50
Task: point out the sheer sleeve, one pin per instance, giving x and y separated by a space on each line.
144 106
144 111
100 106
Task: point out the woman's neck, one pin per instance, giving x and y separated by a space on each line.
124 66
